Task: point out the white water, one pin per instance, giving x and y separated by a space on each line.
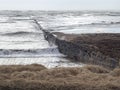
81 22
49 62
21 41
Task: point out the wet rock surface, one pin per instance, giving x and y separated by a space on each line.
98 49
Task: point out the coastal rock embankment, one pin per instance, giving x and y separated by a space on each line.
98 49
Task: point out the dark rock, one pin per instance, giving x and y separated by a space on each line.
98 49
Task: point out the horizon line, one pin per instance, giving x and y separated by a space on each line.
53 10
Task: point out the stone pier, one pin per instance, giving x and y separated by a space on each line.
98 49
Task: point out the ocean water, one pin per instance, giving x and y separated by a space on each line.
22 42
80 22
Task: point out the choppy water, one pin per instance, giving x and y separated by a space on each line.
21 41
78 22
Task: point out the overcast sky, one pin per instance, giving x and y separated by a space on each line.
59 4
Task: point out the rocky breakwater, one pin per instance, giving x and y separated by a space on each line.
98 49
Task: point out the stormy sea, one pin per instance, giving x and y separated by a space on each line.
22 42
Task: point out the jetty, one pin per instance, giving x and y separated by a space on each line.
99 49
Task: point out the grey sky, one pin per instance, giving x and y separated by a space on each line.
59 4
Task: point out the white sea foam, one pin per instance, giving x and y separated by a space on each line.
21 41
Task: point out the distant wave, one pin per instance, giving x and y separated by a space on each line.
110 14
97 13
20 33
102 23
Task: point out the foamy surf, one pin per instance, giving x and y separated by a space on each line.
21 41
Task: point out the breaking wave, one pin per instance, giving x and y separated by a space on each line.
21 33
30 52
